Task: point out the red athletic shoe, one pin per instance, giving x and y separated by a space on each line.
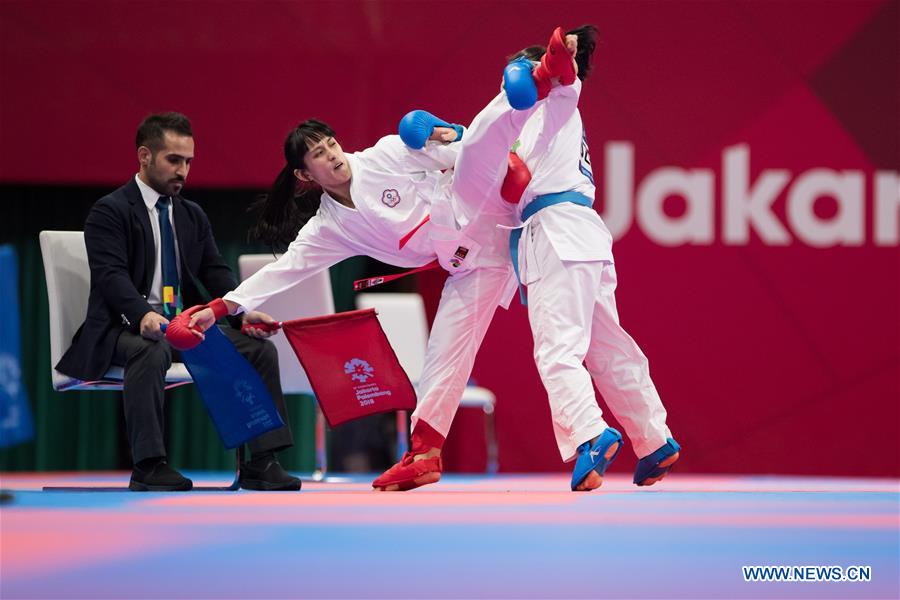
556 62
409 474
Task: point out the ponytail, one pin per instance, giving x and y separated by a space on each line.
290 203
587 43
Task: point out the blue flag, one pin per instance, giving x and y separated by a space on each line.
15 413
238 401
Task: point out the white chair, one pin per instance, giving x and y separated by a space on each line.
68 286
402 316
311 298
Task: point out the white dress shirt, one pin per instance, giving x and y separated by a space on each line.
151 197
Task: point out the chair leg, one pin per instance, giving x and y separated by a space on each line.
236 484
238 459
321 449
402 434
490 434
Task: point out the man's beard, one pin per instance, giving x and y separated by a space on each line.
166 187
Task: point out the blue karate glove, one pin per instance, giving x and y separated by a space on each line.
519 85
418 125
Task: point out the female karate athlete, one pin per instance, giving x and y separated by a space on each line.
564 256
393 203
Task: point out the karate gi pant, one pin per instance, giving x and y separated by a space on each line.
577 339
469 299
467 305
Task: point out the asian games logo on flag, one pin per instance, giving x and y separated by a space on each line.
10 375
243 391
358 369
366 391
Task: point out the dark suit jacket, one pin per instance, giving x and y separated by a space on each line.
122 257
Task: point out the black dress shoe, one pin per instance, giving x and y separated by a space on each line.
267 476
159 477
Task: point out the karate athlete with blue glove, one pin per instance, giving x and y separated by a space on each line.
563 253
392 202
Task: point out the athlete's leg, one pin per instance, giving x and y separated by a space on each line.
465 311
622 373
560 307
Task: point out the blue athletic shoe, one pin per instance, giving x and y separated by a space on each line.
654 467
597 457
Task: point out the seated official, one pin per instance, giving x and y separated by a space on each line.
149 251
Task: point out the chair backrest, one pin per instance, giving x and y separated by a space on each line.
68 285
310 298
402 316
68 288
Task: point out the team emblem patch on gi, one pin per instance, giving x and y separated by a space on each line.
390 197
459 256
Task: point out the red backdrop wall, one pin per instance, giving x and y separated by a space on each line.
746 155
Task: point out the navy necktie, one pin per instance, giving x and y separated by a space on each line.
171 289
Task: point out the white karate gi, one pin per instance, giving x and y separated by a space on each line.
394 189
565 259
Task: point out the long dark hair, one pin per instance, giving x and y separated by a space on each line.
587 43
290 202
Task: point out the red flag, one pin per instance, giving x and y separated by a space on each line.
353 370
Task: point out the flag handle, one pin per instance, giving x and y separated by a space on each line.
263 326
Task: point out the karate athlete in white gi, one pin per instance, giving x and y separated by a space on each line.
564 256
393 203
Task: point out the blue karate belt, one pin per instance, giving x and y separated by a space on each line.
538 204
